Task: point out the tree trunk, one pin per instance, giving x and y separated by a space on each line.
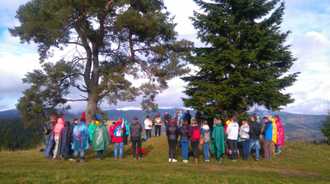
91 109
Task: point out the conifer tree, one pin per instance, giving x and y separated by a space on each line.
110 41
245 61
325 128
9 143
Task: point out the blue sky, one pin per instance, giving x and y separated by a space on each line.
308 20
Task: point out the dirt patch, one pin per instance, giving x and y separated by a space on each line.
282 171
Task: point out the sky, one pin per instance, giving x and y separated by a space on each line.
309 22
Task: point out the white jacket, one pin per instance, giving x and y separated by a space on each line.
232 130
244 131
147 124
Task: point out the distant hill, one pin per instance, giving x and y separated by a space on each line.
297 127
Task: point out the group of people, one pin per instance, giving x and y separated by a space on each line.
67 138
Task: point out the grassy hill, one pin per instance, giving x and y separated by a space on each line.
298 163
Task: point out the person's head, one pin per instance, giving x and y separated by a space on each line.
193 122
270 117
185 122
166 112
253 117
217 121
244 122
113 123
93 122
172 120
52 118
265 119
177 111
126 122
187 111
158 113
205 122
196 110
135 119
234 118
119 119
148 117
75 121
276 117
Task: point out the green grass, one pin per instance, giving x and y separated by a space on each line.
298 163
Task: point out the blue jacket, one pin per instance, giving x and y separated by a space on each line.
80 138
268 131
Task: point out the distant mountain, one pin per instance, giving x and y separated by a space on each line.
12 113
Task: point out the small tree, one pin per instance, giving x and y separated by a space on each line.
325 128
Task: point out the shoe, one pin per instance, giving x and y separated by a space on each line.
120 158
270 158
82 161
196 161
47 157
98 159
54 158
265 159
169 160
115 158
256 160
70 159
140 158
173 160
74 160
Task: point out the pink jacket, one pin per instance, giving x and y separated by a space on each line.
58 127
280 133
111 130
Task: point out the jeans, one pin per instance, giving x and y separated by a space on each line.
268 148
138 144
82 154
195 148
254 143
233 151
278 149
245 145
50 146
99 154
172 149
206 151
47 142
157 130
119 145
148 133
185 146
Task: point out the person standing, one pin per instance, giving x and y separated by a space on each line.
136 131
65 140
280 134
254 136
118 138
268 135
91 128
172 133
148 126
80 139
100 140
126 132
48 131
198 118
183 131
232 132
218 140
206 135
178 118
167 119
111 131
187 117
57 131
270 118
245 138
194 134
158 124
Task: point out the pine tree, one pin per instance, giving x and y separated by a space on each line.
325 128
245 61
9 143
110 41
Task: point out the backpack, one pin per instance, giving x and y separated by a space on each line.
207 137
118 131
46 129
196 134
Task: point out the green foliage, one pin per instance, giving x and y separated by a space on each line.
112 41
245 62
325 128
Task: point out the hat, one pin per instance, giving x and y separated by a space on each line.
135 118
83 118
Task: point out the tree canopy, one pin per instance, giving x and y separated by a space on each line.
245 61
106 43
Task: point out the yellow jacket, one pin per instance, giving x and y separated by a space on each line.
274 138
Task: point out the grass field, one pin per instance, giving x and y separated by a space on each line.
298 163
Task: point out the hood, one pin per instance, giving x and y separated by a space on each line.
206 127
194 127
184 127
134 123
67 124
269 122
100 124
219 125
60 121
278 120
119 123
227 122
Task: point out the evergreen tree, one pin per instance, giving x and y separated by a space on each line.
245 61
9 143
1 139
111 40
325 128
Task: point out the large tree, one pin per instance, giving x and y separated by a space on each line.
106 42
245 61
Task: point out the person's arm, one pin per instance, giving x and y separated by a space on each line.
228 129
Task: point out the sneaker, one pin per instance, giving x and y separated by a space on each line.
54 158
120 158
98 159
140 158
256 160
70 159
265 159
82 161
169 160
74 160
173 160
115 158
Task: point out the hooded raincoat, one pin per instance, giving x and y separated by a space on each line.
91 128
80 137
280 133
65 140
218 136
100 138
58 127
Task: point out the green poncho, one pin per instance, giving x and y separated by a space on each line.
100 138
91 128
219 137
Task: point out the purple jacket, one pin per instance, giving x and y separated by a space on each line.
191 133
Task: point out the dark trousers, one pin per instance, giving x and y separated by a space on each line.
138 143
157 130
172 149
245 145
99 154
125 139
232 145
148 133
268 148
71 153
195 148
